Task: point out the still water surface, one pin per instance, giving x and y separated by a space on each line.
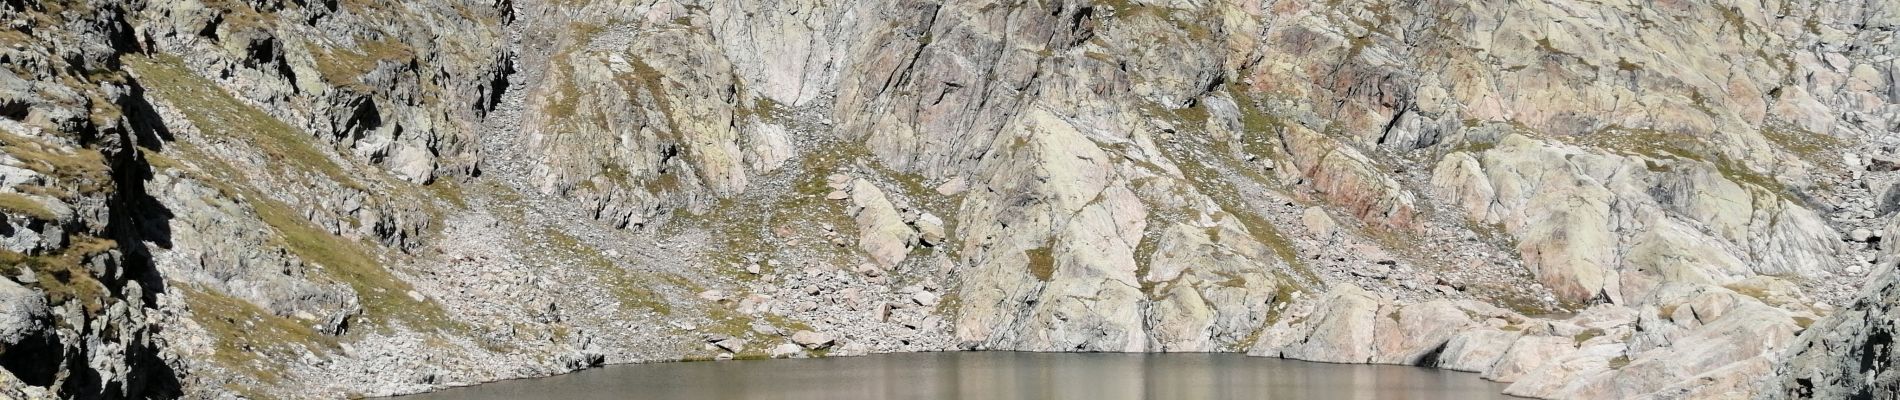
994 375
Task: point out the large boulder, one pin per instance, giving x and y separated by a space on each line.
23 313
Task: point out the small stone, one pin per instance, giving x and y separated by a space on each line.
723 357
1374 271
931 229
731 344
1880 163
754 303
852 297
1317 222
952 187
417 296
837 195
926 299
1861 235
869 270
752 269
713 295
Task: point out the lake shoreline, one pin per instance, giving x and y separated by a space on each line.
1144 366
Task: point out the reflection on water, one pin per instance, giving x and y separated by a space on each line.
995 375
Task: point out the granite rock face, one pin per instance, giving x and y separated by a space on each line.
1586 199
1843 356
1846 354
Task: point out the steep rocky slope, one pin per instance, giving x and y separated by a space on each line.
1846 356
1587 199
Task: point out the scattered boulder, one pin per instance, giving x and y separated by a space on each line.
1317 222
786 350
1476 350
1889 201
930 228
838 181
881 229
23 312
812 340
1408 335
1882 163
1528 354
952 187
1340 330
1862 235
728 343
924 298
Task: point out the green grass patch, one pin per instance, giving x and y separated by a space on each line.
80 172
1283 292
384 296
1619 362
634 293
248 339
1521 303
15 203
447 190
567 95
1656 144
1814 147
239 15
1587 334
1543 45
346 66
1255 116
752 225
63 275
221 117
1208 180
1624 64
1226 196
1042 264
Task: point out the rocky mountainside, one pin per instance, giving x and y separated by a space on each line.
322 199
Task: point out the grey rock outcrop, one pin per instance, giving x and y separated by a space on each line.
1586 199
1845 355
